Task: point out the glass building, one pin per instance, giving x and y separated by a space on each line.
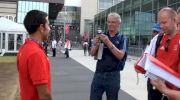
137 16
15 10
87 23
26 6
70 16
105 4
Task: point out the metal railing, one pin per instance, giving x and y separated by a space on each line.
134 51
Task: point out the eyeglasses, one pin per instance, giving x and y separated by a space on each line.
167 45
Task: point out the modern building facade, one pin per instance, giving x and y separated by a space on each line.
16 10
105 4
69 17
8 9
137 16
89 8
26 6
12 8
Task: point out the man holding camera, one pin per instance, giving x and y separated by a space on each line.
114 54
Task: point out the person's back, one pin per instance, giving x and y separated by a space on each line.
54 44
67 47
85 45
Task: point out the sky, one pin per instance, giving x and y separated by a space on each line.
76 3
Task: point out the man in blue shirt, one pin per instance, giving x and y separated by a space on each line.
107 74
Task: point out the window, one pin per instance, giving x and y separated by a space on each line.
11 42
25 6
11 18
19 40
3 40
0 41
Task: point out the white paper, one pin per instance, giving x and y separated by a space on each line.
161 73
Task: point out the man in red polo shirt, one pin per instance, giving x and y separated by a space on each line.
32 63
169 50
159 84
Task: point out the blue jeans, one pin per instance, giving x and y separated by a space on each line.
108 82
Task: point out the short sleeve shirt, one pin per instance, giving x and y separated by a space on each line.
34 69
109 62
169 52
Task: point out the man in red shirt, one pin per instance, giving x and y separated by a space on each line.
159 84
32 63
169 50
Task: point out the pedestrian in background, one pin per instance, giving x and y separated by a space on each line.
90 46
54 46
156 29
85 47
67 47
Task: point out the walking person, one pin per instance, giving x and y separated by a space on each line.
32 63
90 46
45 45
85 47
67 47
107 75
54 46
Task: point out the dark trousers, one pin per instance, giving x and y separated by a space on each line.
154 94
108 82
46 50
85 51
54 52
67 53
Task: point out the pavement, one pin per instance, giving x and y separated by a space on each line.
8 81
71 78
128 75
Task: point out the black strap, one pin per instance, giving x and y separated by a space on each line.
158 42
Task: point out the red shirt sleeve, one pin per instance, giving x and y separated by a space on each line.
37 68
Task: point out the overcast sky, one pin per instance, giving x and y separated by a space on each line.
76 3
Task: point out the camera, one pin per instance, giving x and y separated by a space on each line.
99 31
101 46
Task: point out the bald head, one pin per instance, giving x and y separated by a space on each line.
171 12
178 20
167 20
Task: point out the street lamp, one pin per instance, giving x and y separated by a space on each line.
65 14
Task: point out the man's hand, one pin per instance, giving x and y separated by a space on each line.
97 40
95 47
43 92
104 38
160 85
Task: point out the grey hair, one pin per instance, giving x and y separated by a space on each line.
116 15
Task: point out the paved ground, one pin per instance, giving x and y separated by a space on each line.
128 75
8 81
71 80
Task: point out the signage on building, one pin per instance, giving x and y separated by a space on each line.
67 28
